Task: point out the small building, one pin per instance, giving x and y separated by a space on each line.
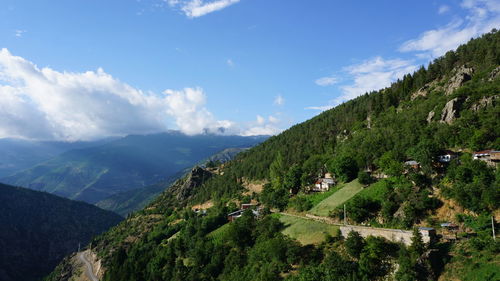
490 156
323 184
236 214
248 206
449 226
446 156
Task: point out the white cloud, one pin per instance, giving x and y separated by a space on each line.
374 74
326 81
187 107
230 62
320 108
19 33
482 16
274 120
443 9
370 75
279 100
45 104
260 120
198 8
261 127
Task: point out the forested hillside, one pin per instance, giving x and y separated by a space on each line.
452 104
38 229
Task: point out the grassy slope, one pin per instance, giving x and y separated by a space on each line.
468 264
336 199
306 231
218 234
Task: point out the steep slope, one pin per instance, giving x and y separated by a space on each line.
38 229
453 103
124 203
95 173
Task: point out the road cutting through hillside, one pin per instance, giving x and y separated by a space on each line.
89 272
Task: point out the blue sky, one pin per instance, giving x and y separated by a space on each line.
92 68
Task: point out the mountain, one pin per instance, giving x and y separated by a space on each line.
93 174
18 154
38 229
383 149
124 203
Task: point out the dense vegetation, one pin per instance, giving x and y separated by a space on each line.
38 229
371 135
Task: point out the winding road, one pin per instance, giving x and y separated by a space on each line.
89 272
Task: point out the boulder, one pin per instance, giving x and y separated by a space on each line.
450 111
461 75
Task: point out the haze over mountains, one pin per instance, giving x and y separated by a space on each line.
18 154
94 173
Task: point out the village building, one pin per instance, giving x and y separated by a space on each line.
323 184
236 214
447 156
491 157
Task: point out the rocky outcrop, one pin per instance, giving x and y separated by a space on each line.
494 74
451 110
430 116
184 188
426 89
485 102
460 76
422 92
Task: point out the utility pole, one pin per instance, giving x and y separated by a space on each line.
345 217
493 227
78 246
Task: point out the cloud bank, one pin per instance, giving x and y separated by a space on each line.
45 104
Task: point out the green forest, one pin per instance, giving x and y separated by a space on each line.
368 139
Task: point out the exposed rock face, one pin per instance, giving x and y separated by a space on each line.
450 111
461 75
426 89
430 116
494 74
183 189
485 102
422 92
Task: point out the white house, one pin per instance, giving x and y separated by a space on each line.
323 184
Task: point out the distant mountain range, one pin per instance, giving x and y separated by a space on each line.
95 173
38 229
17 154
